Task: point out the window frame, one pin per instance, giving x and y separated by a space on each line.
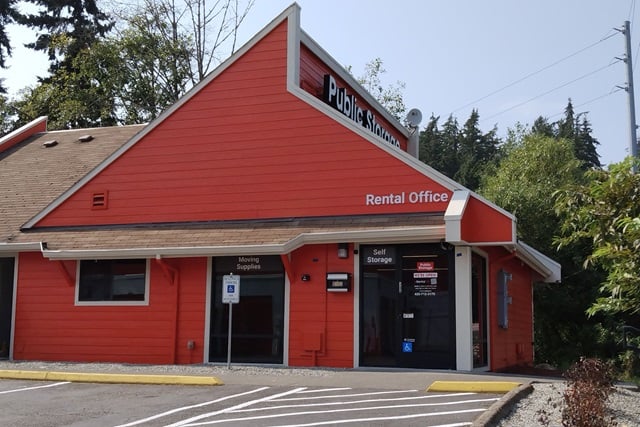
143 302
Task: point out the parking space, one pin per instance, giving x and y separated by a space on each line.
37 403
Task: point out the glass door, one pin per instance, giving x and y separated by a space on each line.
258 319
407 307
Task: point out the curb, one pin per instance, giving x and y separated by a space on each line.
473 386
501 408
110 378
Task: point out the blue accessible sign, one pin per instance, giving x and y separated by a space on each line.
230 289
407 347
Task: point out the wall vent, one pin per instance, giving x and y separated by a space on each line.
100 200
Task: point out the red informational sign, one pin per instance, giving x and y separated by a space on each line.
425 266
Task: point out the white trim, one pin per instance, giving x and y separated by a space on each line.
550 270
19 247
356 305
145 302
463 309
453 216
22 129
401 235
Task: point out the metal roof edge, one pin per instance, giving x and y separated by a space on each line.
550 270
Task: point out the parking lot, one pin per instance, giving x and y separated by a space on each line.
41 403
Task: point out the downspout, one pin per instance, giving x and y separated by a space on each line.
173 275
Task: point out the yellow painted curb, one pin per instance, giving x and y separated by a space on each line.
473 386
110 378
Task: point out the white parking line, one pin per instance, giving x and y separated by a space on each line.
33 388
185 408
351 402
401 417
325 389
241 405
344 395
371 408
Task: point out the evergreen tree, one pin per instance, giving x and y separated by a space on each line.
7 16
439 148
80 22
477 152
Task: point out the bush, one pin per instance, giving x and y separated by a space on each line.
589 384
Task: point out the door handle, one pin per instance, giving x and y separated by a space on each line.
399 287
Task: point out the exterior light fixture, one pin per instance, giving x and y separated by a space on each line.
343 250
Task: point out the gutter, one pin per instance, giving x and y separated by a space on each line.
402 235
20 247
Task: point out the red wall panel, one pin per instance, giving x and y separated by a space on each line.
49 326
512 346
483 223
320 322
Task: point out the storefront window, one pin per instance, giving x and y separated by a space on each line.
112 281
258 319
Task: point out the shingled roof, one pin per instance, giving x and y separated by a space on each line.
39 169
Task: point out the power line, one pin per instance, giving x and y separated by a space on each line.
550 91
597 98
534 73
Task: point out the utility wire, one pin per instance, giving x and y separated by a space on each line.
597 98
534 73
513 107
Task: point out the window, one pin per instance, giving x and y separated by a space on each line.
113 281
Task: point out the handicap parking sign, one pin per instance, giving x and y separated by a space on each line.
407 347
230 289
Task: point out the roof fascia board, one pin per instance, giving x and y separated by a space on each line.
550 270
22 133
415 234
351 80
291 10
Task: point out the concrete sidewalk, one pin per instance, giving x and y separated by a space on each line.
264 376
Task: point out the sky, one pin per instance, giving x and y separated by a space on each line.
513 61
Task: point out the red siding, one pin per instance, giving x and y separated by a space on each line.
245 148
320 322
514 345
483 223
49 326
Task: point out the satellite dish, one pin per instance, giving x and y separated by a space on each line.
414 117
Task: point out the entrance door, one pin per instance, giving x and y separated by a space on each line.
258 319
6 305
407 307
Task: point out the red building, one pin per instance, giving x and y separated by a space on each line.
278 168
